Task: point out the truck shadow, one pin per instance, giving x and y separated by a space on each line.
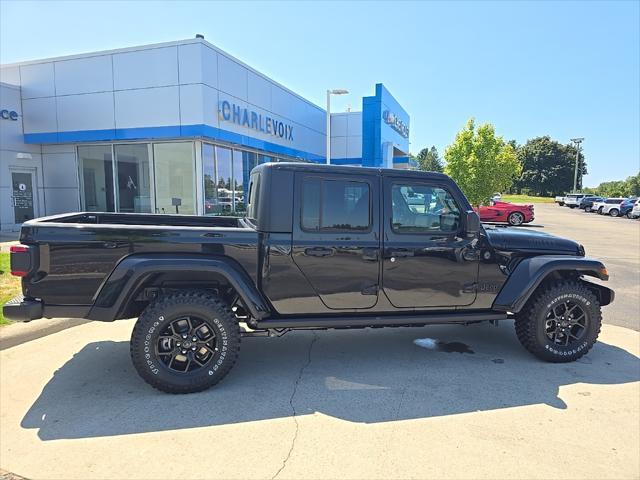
365 376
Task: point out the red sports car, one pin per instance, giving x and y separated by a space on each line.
505 212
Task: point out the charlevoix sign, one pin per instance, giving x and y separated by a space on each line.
394 122
230 112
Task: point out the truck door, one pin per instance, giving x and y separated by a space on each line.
336 242
427 260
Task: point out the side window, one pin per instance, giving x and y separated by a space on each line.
335 206
423 209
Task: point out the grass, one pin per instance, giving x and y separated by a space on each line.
9 285
526 199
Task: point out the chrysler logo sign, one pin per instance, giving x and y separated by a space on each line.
230 112
394 122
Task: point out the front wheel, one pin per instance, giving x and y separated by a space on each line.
185 342
515 219
600 210
560 322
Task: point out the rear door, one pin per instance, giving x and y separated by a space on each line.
428 261
336 242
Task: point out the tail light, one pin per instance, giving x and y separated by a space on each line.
20 260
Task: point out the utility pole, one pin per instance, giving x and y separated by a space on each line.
577 141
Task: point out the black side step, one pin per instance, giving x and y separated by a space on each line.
380 321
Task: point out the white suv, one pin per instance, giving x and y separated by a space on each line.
635 211
572 200
611 206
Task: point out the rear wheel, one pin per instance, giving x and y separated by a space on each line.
560 323
614 212
515 219
587 209
185 342
600 210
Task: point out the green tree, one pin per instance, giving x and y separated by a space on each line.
548 167
428 160
481 162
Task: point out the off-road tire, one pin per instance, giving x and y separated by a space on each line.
614 212
162 312
515 219
530 321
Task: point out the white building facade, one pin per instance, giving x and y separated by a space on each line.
167 128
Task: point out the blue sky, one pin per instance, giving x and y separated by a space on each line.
564 69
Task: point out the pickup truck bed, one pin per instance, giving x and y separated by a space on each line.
76 252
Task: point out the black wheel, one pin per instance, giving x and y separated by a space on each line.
614 212
515 219
560 322
600 210
629 215
185 342
587 209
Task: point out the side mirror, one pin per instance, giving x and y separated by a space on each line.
472 224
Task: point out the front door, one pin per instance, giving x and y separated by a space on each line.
336 244
427 260
23 195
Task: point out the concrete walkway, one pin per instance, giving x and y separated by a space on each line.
348 404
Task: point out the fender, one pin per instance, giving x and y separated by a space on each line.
131 273
530 272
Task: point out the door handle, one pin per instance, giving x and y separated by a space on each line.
401 253
318 252
370 254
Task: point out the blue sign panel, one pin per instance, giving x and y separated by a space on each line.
230 112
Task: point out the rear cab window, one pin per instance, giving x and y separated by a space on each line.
334 205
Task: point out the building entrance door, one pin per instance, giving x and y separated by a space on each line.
23 196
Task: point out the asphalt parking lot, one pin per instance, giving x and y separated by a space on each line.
347 404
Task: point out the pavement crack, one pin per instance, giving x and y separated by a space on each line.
293 408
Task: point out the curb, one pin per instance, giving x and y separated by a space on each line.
19 333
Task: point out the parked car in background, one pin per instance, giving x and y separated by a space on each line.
587 202
626 207
573 199
635 211
497 197
505 212
611 206
559 200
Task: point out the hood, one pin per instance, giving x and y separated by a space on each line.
518 239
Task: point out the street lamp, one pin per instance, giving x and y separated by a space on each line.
329 93
577 141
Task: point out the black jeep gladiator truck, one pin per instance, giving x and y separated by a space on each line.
320 247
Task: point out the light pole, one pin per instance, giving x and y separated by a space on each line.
577 141
329 93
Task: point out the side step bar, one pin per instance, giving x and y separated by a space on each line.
380 321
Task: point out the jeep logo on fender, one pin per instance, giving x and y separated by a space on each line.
230 112
8 114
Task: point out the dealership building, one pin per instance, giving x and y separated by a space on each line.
166 128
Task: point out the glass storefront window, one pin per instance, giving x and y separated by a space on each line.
224 180
175 174
209 176
133 177
96 176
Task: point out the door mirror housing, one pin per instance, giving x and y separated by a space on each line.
472 223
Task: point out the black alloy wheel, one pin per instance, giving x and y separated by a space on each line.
566 324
